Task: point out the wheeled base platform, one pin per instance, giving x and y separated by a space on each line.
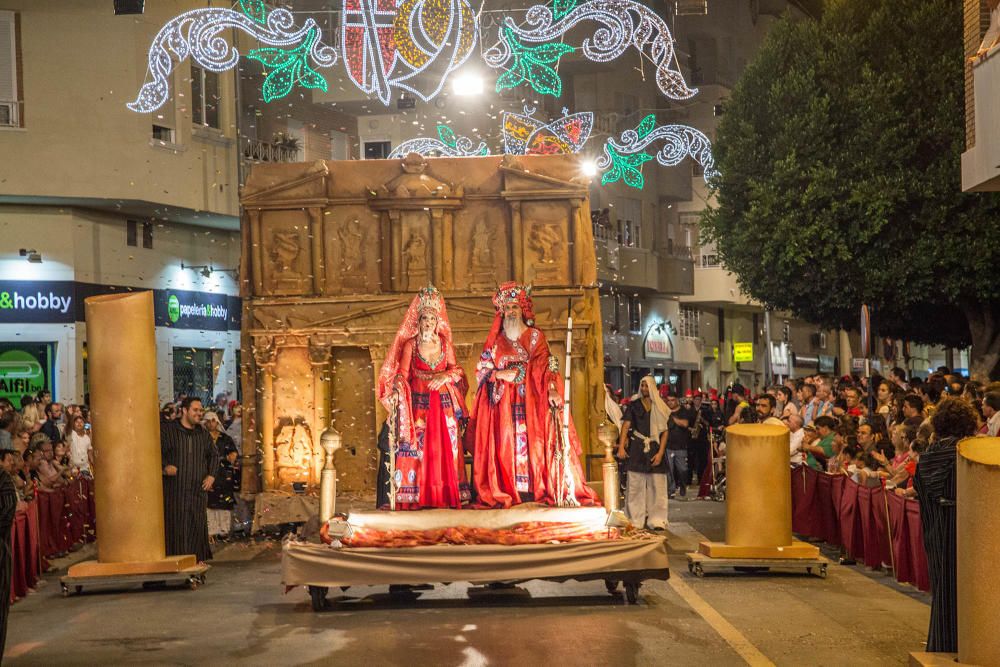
698 563
192 577
631 583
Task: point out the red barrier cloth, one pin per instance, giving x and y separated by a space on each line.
49 513
76 506
901 539
32 546
19 566
90 531
850 521
880 524
917 553
804 505
873 525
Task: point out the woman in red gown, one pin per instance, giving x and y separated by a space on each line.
427 387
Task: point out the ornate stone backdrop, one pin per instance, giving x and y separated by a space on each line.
332 253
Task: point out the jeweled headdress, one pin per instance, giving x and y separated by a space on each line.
512 292
429 298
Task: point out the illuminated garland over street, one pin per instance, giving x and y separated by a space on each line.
411 47
625 23
447 144
623 158
196 34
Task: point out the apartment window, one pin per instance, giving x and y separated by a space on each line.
204 97
690 323
634 315
629 215
708 256
132 230
377 150
10 104
163 133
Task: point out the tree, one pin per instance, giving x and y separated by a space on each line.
840 181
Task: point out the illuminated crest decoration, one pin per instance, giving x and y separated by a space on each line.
523 134
526 52
446 144
413 46
623 158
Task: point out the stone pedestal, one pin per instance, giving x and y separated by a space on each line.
758 497
124 406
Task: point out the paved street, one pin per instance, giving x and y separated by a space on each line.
241 616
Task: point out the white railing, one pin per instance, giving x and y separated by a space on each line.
256 150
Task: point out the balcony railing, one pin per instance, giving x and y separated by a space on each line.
256 150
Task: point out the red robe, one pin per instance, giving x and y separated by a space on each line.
430 466
511 429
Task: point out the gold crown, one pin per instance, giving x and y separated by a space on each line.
430 299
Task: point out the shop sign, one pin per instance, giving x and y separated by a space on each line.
180 309
23 370
658 345
779 358
826 363
742 352
24 301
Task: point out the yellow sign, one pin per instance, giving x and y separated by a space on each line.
715 353
742 352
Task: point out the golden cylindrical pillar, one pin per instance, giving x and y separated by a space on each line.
978 524
266 426
758 496
121 353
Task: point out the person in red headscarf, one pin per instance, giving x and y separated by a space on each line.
515 424
422 380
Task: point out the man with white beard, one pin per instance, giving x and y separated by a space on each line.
515 425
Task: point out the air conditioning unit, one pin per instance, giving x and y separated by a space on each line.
818 340
8 114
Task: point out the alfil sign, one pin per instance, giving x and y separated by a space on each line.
27 303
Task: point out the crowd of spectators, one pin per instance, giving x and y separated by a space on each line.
870 430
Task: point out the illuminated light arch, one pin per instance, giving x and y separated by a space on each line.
626 23
446 144
623 157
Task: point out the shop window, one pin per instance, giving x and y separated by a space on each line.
163 133
195 372
131 233
147 235
377 150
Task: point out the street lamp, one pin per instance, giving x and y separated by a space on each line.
467 85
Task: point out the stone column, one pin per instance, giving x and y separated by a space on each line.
319 360
264 353
122 354
317 229
256 250
978 526
758 497
516 243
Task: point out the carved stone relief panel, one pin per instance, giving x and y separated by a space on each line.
286 254
416 250
546 246
482 256
298 458
352 248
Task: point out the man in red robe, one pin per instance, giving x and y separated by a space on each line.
515 430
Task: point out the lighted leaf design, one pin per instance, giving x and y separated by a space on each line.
646 125
530 64
288 67
446 135
627 168
561 8
255 9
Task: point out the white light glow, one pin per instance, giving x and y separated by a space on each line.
467 84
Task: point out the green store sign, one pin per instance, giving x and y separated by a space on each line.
22 372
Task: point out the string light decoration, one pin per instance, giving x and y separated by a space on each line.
623 158
625 23
523 134
412 47
197 34
446 144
